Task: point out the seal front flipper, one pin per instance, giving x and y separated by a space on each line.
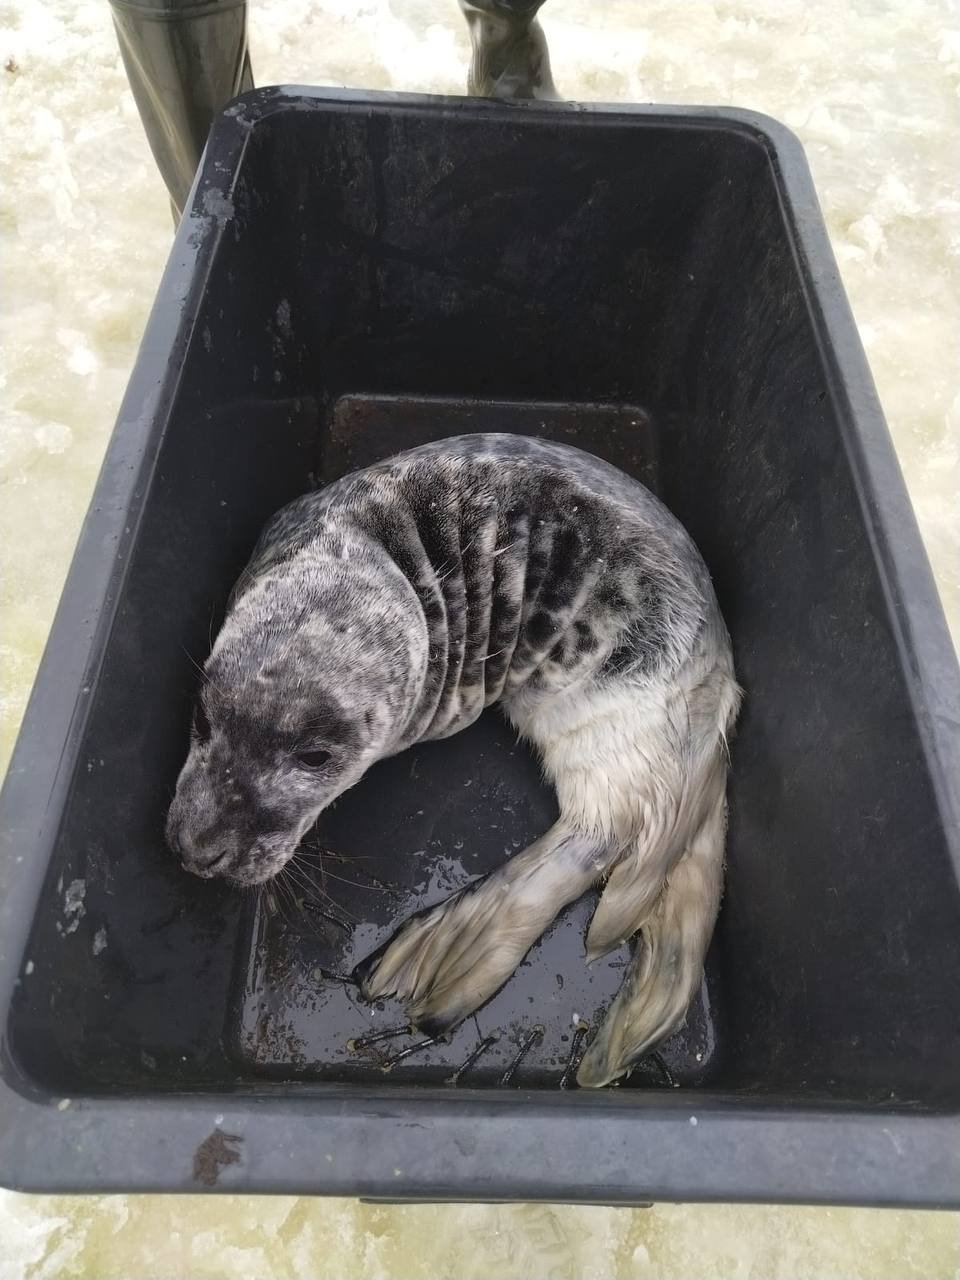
448 961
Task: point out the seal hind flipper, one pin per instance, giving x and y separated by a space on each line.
667 967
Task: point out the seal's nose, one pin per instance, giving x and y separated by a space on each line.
199 862
205 867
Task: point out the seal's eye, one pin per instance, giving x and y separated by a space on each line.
201 725
313 759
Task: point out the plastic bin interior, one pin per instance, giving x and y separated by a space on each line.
359 274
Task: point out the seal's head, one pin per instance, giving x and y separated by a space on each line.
299 698
257 776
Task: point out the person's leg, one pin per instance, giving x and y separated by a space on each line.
185 60
510 58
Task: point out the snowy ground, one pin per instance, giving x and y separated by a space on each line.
872 89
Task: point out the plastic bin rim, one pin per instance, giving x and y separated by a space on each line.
591 1148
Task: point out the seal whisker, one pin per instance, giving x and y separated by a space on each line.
310 904
203 672
284 879
317 851
277 899
369 882
286 898
312 890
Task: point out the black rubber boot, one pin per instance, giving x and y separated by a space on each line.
185 60
510 58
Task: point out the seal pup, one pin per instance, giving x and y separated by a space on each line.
392 607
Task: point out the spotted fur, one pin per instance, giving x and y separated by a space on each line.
391 608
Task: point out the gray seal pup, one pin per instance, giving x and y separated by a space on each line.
392 607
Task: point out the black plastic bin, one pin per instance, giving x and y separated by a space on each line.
360 273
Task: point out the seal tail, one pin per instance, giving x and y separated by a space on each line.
667 967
